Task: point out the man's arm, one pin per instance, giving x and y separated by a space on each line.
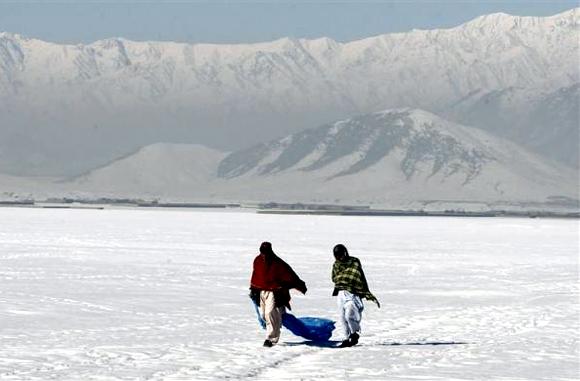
294 281
363 277
334 272
333 277
301 286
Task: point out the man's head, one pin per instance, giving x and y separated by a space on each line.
266 248
340 252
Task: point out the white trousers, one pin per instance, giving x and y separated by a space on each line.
350 308
272 315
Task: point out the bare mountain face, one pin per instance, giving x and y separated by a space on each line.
68 108
386 158
367 139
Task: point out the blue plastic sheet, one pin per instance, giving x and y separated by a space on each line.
310 328
260 319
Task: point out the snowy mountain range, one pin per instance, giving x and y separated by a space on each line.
65 109
386 158
547 122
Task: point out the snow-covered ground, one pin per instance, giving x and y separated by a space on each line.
162 295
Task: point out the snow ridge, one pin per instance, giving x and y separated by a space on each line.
255 92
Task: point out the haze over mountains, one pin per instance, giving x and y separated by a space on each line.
389 158
408 107
68 108
544 121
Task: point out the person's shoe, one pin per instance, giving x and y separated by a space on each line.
344 344
268 343
353 339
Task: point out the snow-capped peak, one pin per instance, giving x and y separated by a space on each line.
255 92
504 21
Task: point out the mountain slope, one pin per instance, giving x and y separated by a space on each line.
115 95
403 154
546 122
390 158
158 170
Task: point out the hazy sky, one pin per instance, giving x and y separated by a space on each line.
246 21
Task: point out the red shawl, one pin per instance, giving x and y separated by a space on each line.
271 273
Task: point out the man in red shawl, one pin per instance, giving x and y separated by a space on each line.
272 279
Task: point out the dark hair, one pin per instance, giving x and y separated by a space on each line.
340 250
266 248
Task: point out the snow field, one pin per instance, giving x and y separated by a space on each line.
122 294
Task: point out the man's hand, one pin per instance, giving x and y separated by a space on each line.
255 295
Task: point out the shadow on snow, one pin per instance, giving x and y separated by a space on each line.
319 344
335 343
425 343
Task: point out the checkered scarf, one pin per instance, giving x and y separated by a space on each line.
348 275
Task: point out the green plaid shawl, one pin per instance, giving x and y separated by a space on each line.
348 275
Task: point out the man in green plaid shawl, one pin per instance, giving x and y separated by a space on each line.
350 285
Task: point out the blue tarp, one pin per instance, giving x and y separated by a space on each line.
310 328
